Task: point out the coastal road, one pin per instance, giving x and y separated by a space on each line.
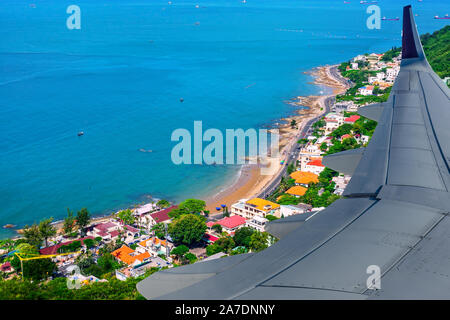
294 150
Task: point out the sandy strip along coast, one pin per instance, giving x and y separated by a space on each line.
250 182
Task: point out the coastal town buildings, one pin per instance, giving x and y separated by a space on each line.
352 119
315 166
366 90
154 246
129 256
289 210
256 206
309 152
161 216
304 178
106 230
333 121
140 269
229 224
296 191
257 223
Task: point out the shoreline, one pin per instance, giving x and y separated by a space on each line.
249 181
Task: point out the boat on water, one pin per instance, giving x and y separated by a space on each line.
80 133
390 19
444 17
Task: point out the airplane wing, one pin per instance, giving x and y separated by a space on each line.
394 214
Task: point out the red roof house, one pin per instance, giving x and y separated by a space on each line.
54 249
163 215
229 224
315 162
352 119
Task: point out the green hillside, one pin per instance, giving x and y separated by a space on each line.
437 50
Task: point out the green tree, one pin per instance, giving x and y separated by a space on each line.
286 199
258 241
187 229
38 269
293 123
340 131
180 251
126 216
159 229
213 249
192 206
89 243
217 227
242 236
83 219
190 257
32 235
290 168
163 203
46 230
69 222
225 243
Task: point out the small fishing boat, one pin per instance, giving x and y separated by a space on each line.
444 17
80 133
390 19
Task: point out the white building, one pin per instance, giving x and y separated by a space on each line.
333 121
366 91
258 223
255 207
380 75
315 166
289 210
306 153
391 73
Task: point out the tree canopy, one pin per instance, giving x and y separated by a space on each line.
126 216
187 229
83 219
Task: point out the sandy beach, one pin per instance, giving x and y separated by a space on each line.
251 182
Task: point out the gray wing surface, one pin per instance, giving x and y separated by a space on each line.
394 214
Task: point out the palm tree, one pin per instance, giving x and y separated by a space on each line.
46 229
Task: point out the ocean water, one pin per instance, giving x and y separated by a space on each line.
120 79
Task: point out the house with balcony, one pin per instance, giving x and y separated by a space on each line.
255 207
229 224
258 223
289 210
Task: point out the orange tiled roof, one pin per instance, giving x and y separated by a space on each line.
155 240
261 203
297 191
304 177
125 254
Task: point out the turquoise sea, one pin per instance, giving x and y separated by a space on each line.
121 76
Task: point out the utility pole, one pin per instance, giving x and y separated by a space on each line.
167 244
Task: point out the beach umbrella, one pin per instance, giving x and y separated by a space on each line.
218 208
223 205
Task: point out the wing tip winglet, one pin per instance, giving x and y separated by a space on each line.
410 41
